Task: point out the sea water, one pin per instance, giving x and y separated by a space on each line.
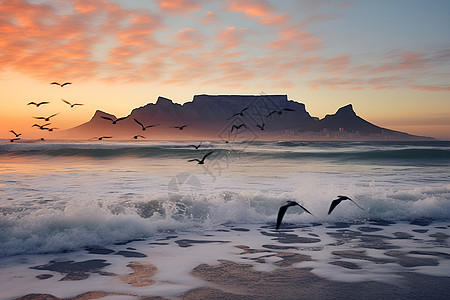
65 195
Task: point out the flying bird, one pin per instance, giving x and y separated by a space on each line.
238 126
335 203
49 129
38 104
41 127
102 137
16 134
61 85
46 118
71 105
201 161
137 136
241 113
112 120
279 111
145 127
261 126
180 127
196 147
14 139
283 209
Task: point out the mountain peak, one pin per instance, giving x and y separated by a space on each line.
346 111
99 113
163 101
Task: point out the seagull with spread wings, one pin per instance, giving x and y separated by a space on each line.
201 161
38 103
283 210
70 104
241 113
114 121
196 147
180 127
238 127
145 127
46 118
61 85
16 134
335 203
279 111
102 137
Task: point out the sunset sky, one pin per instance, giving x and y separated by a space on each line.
390 59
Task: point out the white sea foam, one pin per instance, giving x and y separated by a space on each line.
64 196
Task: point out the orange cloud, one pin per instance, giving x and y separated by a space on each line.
179 6
190 37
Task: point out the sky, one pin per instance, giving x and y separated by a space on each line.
390 59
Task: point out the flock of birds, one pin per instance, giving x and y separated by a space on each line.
45 118
334 203
200 161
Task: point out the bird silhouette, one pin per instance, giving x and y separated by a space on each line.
16 134
145 127
14 139
38 104
46 118
49 129
180 127
61 85
335 203
102 137
71 105
137 136
283 209
41 127
114 121
279 111
196 147
261 126
241 113
201 161
238 126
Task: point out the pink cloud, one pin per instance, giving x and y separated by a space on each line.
337 64
252 8
231 37
179 6
406 60
292 38
430 88
279 20
210 18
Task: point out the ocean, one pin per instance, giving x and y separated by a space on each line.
58 199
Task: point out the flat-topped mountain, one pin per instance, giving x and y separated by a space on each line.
233 117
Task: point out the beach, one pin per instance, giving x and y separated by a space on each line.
137 221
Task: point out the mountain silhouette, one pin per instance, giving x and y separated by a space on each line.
345 120
213 116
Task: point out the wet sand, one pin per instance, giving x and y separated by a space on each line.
367 260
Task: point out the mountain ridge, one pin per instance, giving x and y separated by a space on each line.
219 116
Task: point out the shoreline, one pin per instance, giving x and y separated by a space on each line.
303 261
